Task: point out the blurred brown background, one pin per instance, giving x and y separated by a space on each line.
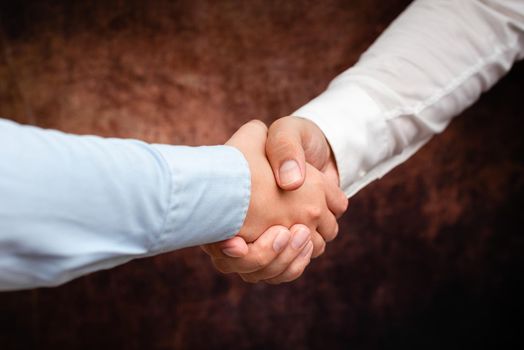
430 256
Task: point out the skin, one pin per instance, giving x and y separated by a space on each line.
301 140
259 258
262 262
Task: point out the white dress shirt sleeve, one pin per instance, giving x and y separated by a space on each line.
70 205
432 62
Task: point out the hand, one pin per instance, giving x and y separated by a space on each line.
291 142
270 258
315 204
290 138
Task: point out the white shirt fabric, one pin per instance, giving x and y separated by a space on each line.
70 205
432 62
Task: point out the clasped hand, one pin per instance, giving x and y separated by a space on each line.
294 206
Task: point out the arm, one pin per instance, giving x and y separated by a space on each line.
70 205
433 61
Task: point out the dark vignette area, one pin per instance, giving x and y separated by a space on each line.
428 257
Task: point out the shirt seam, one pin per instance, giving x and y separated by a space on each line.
160 235
452 86
245 202
247 193
375 173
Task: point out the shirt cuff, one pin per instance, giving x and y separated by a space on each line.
356 130
209 196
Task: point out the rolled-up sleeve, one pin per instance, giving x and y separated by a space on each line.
70 205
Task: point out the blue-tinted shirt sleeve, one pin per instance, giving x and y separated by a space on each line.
70 205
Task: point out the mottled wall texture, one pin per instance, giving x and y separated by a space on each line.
431 256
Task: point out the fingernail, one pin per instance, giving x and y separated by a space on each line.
289 172
301 236
231 252
307 249
281 240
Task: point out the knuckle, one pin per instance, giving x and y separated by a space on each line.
331 235
277 124
319 249
343 205
294 272
261 259
264 248
335 232
314 212
259 124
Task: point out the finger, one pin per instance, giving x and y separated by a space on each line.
235 247
336 200
300 236
253 133
296 268
331 170
285 153
328 226
319 244
260 253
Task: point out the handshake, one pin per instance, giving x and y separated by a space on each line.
294 206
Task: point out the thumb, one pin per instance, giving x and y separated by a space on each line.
285 153
234 247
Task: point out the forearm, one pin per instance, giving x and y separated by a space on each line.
70 205
433 62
